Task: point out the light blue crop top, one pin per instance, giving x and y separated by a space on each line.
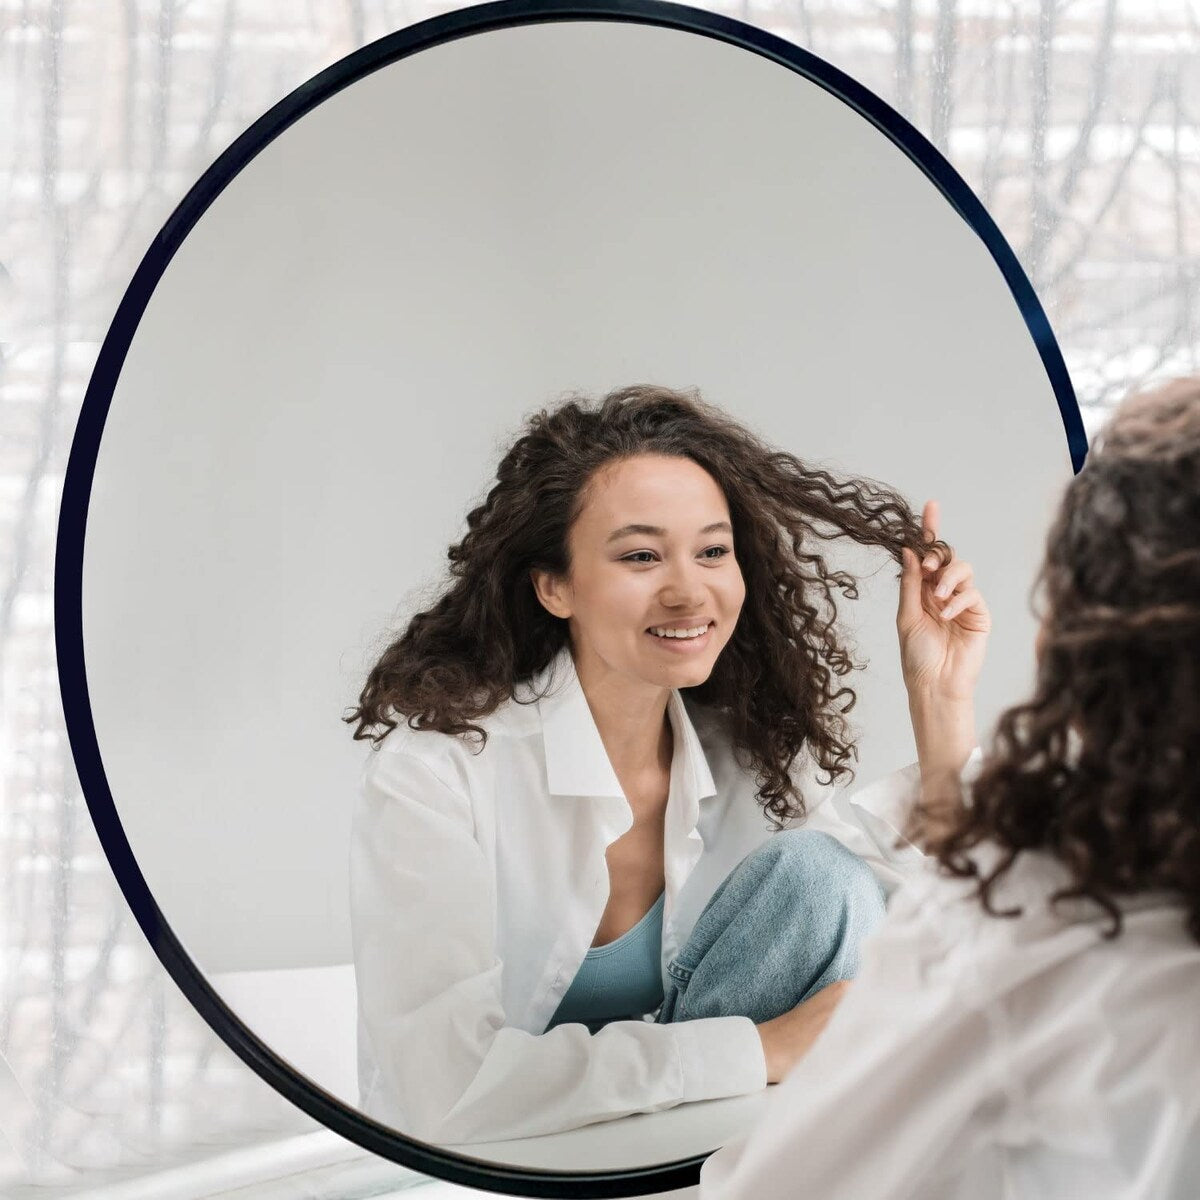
621 980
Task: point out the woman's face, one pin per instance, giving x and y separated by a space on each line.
675 571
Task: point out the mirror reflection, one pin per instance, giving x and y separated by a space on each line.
609 925
500 302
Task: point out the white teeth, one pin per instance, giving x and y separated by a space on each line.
678 633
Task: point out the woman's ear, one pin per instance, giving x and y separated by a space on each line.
551 591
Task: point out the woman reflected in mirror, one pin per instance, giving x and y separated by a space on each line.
1025 1022
598 864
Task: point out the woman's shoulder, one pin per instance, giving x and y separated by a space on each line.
458 750
934 890
949 907
936 934
404 754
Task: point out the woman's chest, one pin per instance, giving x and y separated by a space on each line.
593 865
635 860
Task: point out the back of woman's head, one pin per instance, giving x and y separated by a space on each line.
776 680
1101 767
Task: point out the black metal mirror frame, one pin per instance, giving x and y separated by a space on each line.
68 607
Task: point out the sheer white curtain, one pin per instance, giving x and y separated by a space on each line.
1076 121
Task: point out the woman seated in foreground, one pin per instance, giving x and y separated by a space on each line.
1026 1020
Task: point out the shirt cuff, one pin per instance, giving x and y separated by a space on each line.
888 803
720 1056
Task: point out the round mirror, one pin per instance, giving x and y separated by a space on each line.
311 381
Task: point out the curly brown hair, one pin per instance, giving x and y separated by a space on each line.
775 681
1101 767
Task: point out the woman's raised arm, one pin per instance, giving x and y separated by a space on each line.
943 624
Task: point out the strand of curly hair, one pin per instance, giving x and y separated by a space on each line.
1101 766
777 681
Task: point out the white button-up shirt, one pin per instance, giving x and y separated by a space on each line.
987 1058
478 880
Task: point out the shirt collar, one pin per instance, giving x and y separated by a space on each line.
577 763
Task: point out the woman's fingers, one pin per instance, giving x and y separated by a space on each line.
931 519
968 598
957 575
910 608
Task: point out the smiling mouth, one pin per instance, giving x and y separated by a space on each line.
675 638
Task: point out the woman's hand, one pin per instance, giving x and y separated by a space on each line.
787 1037
943 623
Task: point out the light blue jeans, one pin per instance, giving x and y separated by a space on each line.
787 921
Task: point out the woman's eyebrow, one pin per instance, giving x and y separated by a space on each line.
658 531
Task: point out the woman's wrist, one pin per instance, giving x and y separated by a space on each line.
768 1049
788 1037
944 730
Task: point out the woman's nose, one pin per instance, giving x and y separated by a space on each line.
684 585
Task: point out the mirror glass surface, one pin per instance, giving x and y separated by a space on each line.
328 371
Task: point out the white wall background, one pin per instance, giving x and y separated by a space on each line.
327 374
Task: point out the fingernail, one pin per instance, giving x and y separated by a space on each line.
943 591
930 561
946 610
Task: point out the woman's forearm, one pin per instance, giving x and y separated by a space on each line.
944 729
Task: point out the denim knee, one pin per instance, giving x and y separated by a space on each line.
811 860
786 922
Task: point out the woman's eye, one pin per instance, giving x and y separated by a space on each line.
721 552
